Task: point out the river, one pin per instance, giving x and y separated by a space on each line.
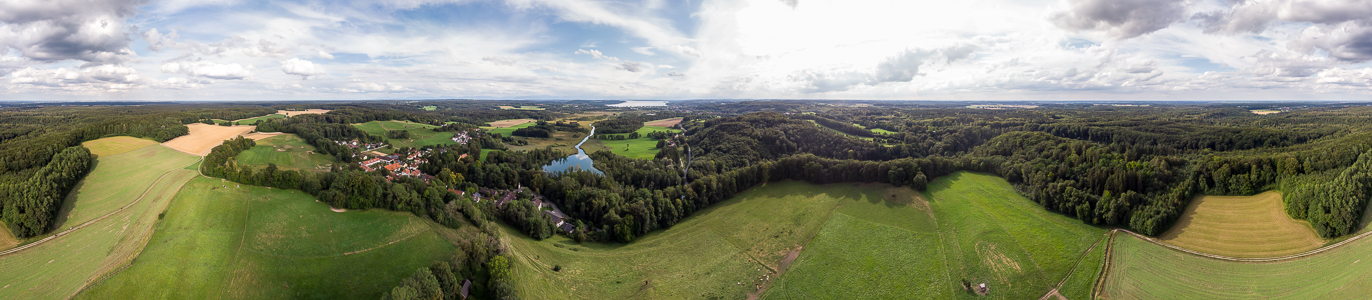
578 161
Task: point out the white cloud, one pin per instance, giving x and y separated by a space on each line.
206 69
57 30
304 68
1121 18
324 55
643 50
596 54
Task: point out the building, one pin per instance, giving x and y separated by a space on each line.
466 288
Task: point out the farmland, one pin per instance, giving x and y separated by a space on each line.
116 145
984 233
1239 226
507 127
420 134
639 148
524 107
134 186
202 137
287 151
220 240
290 113
1141 270
250 121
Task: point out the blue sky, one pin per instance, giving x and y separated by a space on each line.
687 49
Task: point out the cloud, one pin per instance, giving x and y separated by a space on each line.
675 74
50 31
201 68
1256 16
1120 18
596 54
503 61
62 77
791 3
324 55
304 68
903 67
631 66
643 50
158 41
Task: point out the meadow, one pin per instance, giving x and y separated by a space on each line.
121 200
429 108
116 145
507 127
222 240
524 107
420 134
1241 226
1141 270
643 147
287 151
250 121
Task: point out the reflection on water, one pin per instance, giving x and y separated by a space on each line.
578 161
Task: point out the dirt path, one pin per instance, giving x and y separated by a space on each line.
83 225
1054 292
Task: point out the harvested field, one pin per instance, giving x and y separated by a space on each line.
116 181
7 239
1264 111
1241 226
663 123
509 123
203 137
257 136
116 145
290 113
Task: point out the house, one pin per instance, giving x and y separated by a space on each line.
466 288
567 227
557 220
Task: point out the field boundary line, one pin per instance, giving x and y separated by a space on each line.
141 245
1105 268
83 225
1073 271
1241 259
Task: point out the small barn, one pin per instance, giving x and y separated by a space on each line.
466 288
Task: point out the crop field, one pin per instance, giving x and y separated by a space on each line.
1241 226
721 252
58 268
507 127
525 107
664 122
202 137
250 121
115 145
639 148
978 230
1142 270
7 239
287 151
1079 284
118 180
220 240
290 113
420 134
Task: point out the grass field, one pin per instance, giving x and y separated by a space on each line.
1241 226
1141 270
58 268
639 148
525 107
116 145
508 130
704 256
287 151
250 121
429 108
256 243
420 134
116 181
1079 284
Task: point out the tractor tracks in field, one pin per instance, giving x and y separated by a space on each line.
1245 259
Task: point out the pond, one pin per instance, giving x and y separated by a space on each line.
578 161
639 104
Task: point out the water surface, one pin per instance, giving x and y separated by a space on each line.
578 161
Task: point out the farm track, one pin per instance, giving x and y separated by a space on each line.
1054 291
83 225
1242 259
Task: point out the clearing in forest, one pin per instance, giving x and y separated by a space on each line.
203 137
420 134
1142 270
60 267
525 107
223 240
250 121
288 152
643 147
664 122
1241 226
116 145
509 123
291 113
7 239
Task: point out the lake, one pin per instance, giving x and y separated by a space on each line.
640 104
578 161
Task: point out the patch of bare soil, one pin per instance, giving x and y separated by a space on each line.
781 269
290 113
510 123
203 137
257 136
664 122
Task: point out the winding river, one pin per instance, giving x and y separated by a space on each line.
578 161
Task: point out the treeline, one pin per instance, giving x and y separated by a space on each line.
30 207
1333 204
620 125
844 127
543 129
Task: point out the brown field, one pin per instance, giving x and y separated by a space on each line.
290 113
664 122
7 240
115 145
1241 226
205 136
257 136
509 123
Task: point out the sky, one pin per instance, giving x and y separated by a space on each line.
686 49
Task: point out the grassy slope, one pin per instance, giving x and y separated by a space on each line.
1079 285
59 268
639 148
1242 226
296 156
704 256
1140 270
116 145
117 180
254 242
420 134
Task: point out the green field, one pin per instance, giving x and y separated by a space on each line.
116 145
429 108
1079 284
250 121
1141 270
287 151
508 131
985 232
639 148
219 240
839 132
704 256
420 134
117 180
58 268
525 107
